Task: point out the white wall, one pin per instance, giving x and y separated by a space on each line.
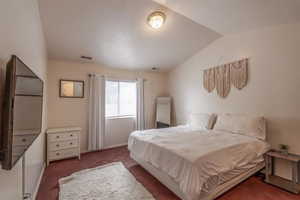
21 34
273 88
64 112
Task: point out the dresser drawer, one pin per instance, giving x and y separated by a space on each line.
20 140
17 151
63 136
54 146
66 153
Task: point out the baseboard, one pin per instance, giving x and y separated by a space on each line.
36 190
117 145
105 148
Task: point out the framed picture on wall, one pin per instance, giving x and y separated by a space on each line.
71 88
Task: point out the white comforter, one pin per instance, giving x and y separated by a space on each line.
192 156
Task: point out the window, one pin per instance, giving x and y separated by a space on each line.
120 98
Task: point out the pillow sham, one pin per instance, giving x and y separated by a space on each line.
202 120
248 125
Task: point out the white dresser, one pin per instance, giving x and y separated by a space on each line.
63 143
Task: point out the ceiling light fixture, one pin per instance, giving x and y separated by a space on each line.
156 19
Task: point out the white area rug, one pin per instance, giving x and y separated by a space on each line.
108 182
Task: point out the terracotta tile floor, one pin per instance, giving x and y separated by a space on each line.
252 189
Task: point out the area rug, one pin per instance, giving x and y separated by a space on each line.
109 182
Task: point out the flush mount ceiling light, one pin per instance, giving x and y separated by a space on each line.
156 19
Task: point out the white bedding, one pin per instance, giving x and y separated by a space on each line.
197 160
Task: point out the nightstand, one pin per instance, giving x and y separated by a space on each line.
292 186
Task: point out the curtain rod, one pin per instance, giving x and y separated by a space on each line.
115 78
95 75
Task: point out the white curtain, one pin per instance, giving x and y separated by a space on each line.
140 105
96 112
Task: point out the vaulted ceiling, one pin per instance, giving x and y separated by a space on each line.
234 16
115 32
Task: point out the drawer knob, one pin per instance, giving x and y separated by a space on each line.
71 143
71 135
24 140
57 136
57 154
57 145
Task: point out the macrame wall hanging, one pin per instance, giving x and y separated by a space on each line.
209 80
221 77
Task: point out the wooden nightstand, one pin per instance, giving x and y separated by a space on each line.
292 186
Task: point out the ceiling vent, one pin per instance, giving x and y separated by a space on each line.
87 58
154 69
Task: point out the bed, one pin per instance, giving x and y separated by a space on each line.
202 160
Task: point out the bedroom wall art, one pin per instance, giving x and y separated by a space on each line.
209 80
222 77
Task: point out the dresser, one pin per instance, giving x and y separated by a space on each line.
22 139
63 143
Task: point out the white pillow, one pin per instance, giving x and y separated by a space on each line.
202 120
252 126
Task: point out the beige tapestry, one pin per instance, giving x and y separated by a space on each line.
238 73
222 75
209 79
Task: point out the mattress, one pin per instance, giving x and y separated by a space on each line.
197 160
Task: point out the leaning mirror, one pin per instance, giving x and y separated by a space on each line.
163 112
71 89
